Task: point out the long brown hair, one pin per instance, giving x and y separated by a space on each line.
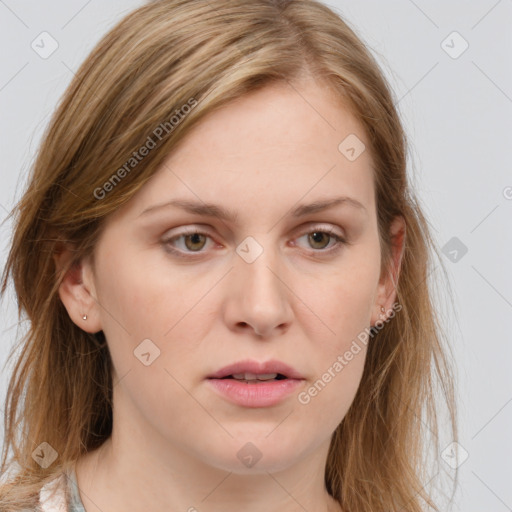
161 57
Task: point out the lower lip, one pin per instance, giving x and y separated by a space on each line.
260 394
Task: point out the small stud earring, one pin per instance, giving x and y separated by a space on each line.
85 317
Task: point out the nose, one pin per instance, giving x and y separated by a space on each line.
258 297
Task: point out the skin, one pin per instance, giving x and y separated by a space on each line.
174 443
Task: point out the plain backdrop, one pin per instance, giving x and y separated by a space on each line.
449 65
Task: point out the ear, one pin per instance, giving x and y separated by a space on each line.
386 291
77 291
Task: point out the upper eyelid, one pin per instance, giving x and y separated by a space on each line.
312 226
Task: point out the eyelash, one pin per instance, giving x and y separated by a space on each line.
339 242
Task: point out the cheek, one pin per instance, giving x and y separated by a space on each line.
141 290
339 357
339 363
344 302
143 297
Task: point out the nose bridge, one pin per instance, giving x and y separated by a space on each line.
261 297
258 268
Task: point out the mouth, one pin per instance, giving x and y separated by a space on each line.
253 378
250 370
254 384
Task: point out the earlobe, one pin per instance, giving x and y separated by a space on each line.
75 294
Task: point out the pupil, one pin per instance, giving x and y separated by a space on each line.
194 239
317 234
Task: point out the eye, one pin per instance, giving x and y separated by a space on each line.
320 237
194 241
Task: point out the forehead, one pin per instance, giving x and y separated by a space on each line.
268 150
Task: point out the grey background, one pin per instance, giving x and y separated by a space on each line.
457 113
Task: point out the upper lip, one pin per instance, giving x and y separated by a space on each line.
256 367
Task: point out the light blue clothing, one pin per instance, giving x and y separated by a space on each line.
61 495
75 503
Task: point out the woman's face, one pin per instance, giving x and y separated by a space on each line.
266 283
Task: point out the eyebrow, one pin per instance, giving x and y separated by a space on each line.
219 212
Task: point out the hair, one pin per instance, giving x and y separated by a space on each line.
159 58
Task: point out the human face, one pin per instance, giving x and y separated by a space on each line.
260 286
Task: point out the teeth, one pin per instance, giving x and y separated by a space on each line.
253 376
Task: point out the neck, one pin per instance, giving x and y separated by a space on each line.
121 476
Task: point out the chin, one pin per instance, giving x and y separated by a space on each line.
257 454
268 463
